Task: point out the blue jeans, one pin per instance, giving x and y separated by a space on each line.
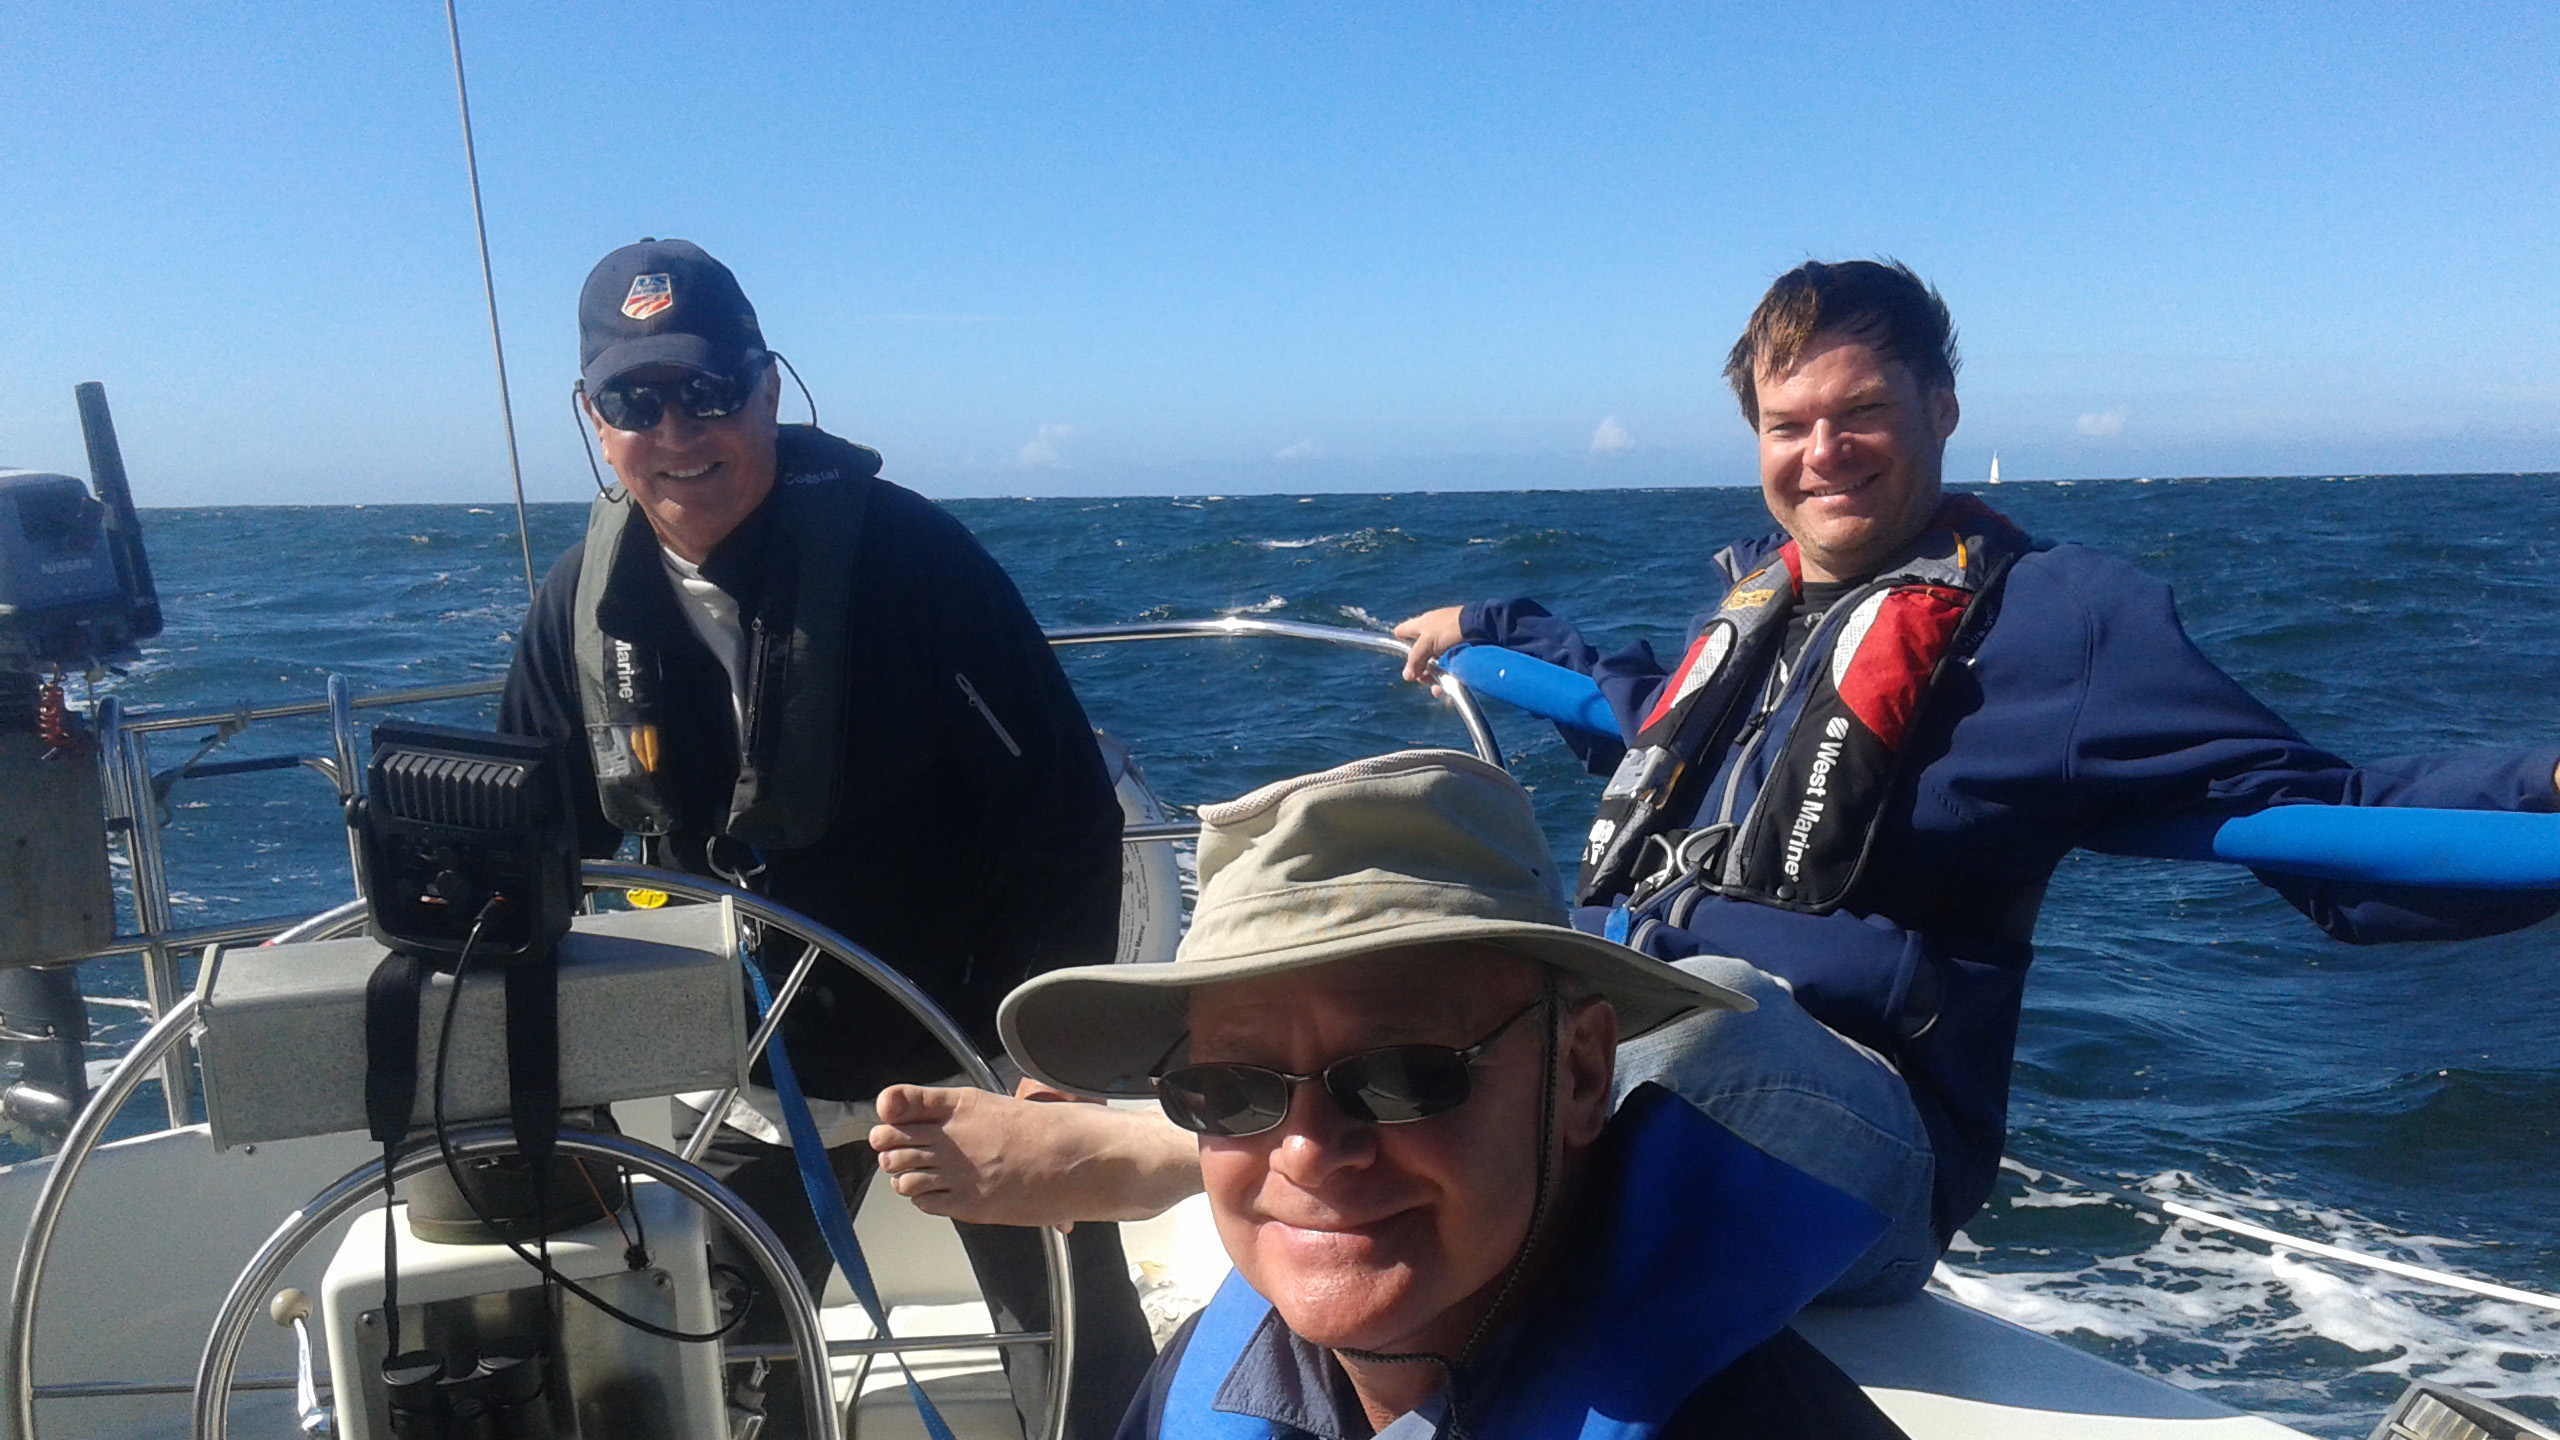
1813 1098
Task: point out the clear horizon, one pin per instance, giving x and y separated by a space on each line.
507 502
1127 251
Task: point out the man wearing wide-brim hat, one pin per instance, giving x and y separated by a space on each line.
1397 1058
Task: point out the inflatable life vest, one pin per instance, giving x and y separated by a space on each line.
1839 722
1711 1247
790 757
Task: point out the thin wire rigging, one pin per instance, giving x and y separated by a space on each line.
489 286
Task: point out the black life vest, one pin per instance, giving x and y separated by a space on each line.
1859 685
791 750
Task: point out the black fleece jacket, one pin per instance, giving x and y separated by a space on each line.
976 839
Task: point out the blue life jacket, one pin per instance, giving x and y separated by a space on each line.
1711 1246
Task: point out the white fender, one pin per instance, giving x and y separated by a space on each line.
1150 877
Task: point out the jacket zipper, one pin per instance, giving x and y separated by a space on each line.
755 693
980 704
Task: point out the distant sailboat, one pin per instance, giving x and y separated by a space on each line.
1995 469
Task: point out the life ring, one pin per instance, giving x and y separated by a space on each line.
1150 877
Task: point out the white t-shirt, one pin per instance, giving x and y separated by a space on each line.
713 613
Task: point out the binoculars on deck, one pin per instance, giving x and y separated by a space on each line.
503 1395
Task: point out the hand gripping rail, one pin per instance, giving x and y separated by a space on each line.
2454 849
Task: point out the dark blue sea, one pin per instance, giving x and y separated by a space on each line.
2187 1034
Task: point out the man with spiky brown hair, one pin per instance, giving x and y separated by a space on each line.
1880 742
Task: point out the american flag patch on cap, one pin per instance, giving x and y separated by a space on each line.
649 295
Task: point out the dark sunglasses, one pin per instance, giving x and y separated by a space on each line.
641 404
1392 1085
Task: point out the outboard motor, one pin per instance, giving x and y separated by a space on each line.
75 595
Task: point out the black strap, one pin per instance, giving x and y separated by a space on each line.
391 1078
391 1046
391 1096
533 1058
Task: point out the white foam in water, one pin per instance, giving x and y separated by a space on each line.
1275 602
2199 1307
1360 541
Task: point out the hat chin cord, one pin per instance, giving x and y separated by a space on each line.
586 442
810 400
1550 1040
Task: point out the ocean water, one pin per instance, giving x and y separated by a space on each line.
2187 1035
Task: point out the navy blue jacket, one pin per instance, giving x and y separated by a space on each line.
966 859
2085 704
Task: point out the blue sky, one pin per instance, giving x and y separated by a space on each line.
1031 250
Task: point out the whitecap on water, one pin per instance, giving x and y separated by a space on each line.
1269 604
2199 1308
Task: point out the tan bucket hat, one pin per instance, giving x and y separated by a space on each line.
1420 847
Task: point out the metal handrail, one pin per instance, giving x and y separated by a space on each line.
1233 627
770 1351
1226 627
124 745
246 714
17 1361
194 937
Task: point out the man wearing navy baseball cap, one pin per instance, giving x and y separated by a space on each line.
776 668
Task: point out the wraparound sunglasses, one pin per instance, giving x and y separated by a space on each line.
637 405
1391 1085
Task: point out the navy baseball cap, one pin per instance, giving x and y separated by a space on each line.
664 302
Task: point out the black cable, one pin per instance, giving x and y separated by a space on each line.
586 442
453 1169
390 1251
637 1257
803 384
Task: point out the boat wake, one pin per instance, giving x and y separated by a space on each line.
2317 1343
